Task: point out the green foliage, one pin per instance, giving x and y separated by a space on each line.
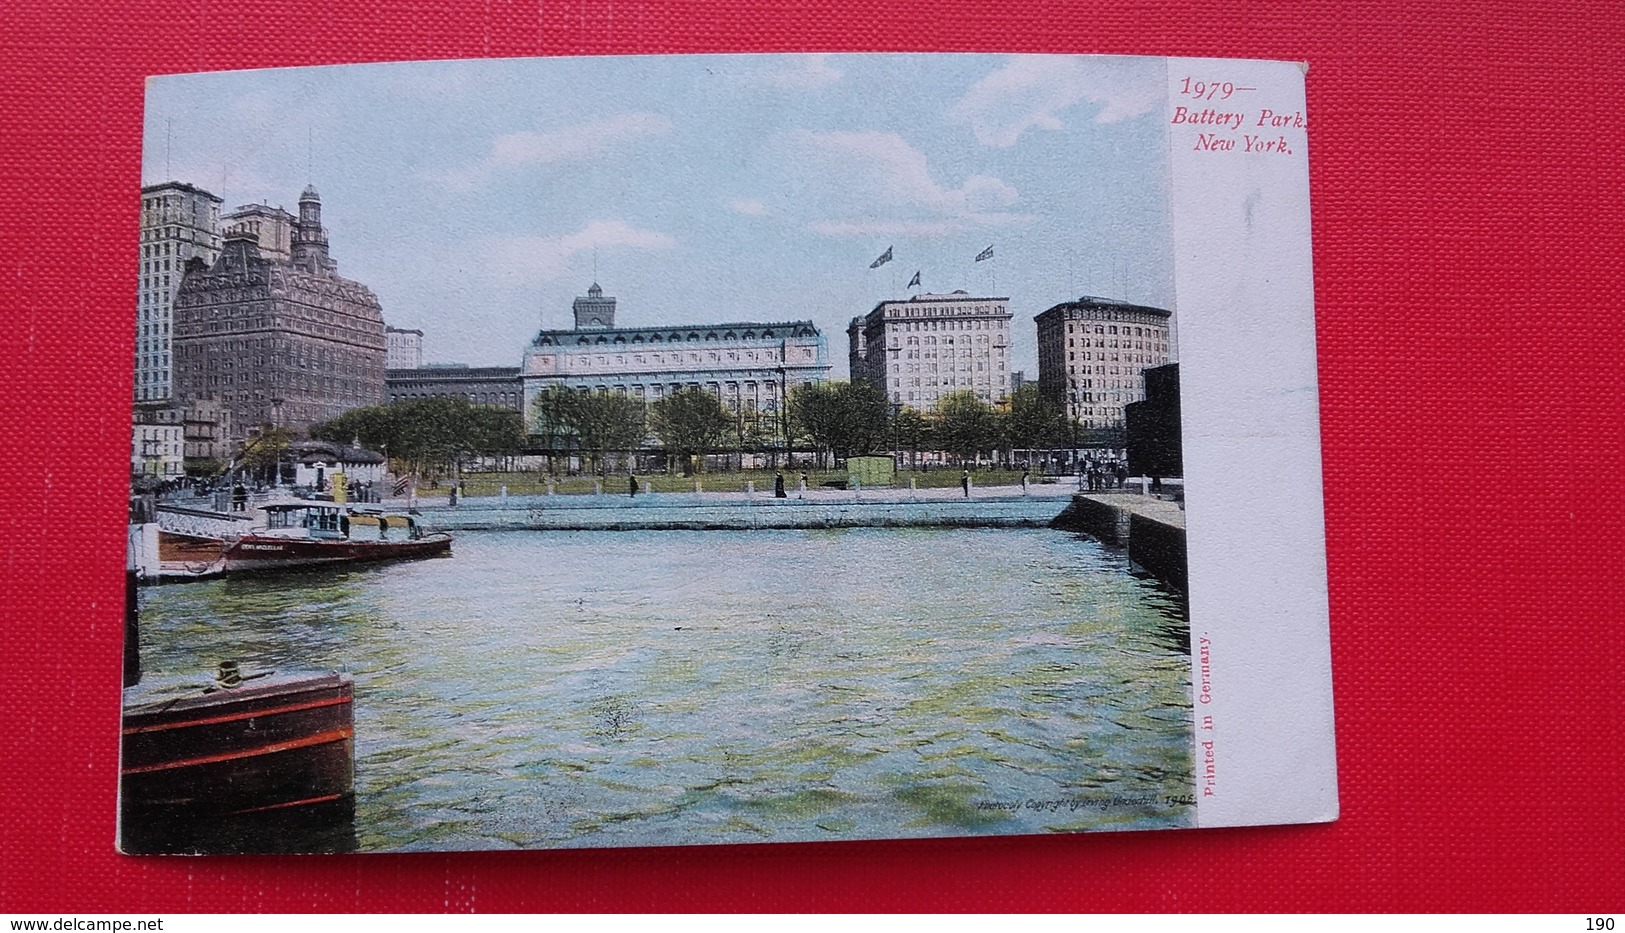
690 421
265 449
845 418
605 422
428 432
565 419
553 418
966 425
1031 422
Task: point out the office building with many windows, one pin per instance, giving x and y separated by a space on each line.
179 222
1092 352
750 366
923 348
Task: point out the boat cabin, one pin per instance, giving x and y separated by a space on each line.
320 520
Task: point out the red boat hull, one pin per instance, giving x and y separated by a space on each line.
241 769
266 552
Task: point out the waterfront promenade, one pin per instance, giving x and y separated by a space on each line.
989 507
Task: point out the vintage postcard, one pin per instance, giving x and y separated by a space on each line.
723 449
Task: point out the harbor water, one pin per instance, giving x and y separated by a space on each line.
544 689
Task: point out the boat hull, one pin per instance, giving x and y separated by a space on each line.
241 769
265 552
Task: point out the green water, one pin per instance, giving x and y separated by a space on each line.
543 689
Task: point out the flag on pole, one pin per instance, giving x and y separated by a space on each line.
402 484
985 254
914 281
884 258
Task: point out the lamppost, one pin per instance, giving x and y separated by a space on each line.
784 417
896 444
276 422
1077 465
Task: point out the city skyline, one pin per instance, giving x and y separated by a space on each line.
479 198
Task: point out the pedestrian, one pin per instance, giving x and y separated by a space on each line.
239 498
632 486
964 482
1024 474
778 485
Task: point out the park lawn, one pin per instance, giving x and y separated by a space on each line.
535 483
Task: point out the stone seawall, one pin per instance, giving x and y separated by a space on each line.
1152 530
661 513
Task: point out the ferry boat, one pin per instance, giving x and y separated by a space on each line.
302 534
292 534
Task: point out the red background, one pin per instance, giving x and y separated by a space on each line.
1468 171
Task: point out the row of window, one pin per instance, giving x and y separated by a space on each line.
661 359
984 324
692 336
508 399
1127 330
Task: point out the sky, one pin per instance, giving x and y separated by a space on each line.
478 198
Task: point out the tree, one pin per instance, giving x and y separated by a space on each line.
843 418
499 432
263 452
690 422
428 433
1033 423
913 432
553 421
607 422
375 427
966 425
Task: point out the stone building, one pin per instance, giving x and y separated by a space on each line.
1091 353
920 349
289 342
208 433
405 348
157 446
179 223
272 225
481 385
750 366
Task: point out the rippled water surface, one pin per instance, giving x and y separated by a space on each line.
651 688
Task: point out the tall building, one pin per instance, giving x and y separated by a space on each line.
920 349
405 348
1091 353
283 342
179 222
749 366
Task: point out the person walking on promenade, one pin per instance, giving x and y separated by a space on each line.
802 494
964 482
778 485
631 486
1024 474
239 498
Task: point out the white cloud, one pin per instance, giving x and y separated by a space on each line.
1035 91
749 206
532 259
566 144
803 73
891 183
